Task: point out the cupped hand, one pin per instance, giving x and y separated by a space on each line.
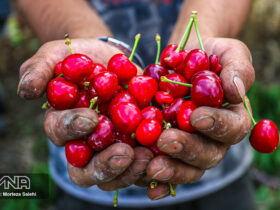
189 155
117 166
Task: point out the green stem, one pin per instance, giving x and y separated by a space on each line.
249 112
186 97
167 125
137 38
116 198
187 31
158 48
45 105
225 104
153 184
164 79
172 192
68 43
61 75
188 36
197 33
93 102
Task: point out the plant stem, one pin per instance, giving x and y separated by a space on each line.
172 192
116 198
68 43
197 33
61 75
153 184
186 97
93 102
186 34
225 104
167 125
249 112
45 105
164 79
137 38
158 48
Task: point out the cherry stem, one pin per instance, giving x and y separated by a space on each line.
61 75
133 135
116 198
68 43
172 192
186 34
153 184
197 33
225 104
186 97
158 48
164 79
93 102
167 125
86 84
137 38
45 105
246 105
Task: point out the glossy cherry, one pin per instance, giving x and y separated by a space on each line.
175 90
183 116
264 136
207 91
58 69
62 94
170 58
122 67
105 84
103 134
163 97
214 64
205 73
83 100
143 88
155 71
170 113
78 153
152 112
126 117
125 138
180 68
97 69
196 60
121 97
77 67
156 150
148 132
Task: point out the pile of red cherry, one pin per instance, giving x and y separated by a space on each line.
134 109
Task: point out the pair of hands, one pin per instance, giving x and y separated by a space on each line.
119 166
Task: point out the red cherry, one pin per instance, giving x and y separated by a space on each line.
175 90
183 116
97 69
105 84
163 97
126 117
83 100
121 97
78 153
156 150
62 94
77 67
103 135
143 88
214 64
155 71
179 69
124 138
57 69
148 132
122 67
170 58
264 137
152 112
104 108
170 113
205 73
196 60
207 91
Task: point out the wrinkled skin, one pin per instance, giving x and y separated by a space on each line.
120 165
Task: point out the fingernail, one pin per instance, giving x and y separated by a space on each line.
172 147
203 123
83 124
119 162
239 86
19 90
164 174
161 196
